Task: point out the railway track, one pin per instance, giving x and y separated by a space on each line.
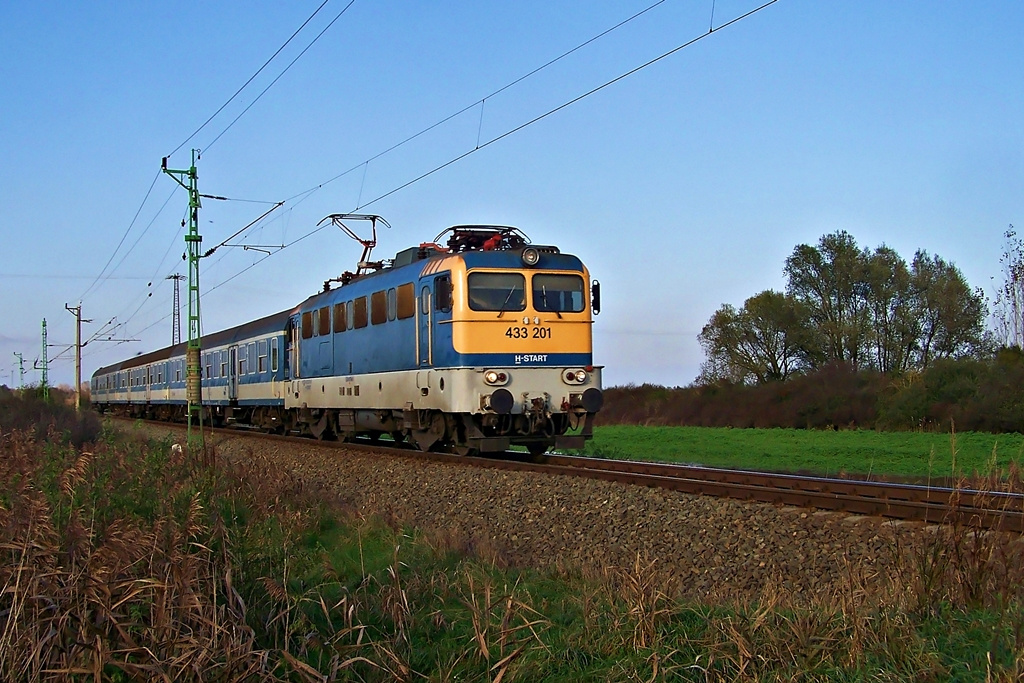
990 510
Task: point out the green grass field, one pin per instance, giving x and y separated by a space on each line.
899 454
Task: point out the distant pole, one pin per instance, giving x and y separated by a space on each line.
77 310
193 386
21 369
176 313
44 366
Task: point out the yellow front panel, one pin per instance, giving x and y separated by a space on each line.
519 332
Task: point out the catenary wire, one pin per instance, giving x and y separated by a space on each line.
244 85
480 101
546 114
290 64
123 237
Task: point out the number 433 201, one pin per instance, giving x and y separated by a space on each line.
528 333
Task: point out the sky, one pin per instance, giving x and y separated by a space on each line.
682 186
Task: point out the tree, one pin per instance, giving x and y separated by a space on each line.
894 328
1009 302
952 316
764 341
830 280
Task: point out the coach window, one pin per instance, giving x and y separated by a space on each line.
392 303
379 307
263 356
325 321
359 312
273 354
252 357
406 303
223 363
497 292
307 325
241 359
209 366
443 292
340 318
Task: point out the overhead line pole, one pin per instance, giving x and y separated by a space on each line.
77 311
44 367
21 369
189 179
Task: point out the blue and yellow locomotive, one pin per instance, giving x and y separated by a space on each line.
474 346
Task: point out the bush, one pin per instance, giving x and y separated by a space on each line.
833 397
26 411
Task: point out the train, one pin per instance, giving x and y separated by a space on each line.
472 346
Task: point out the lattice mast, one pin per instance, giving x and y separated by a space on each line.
44 366
189 179
176 313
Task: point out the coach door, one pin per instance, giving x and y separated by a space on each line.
233 373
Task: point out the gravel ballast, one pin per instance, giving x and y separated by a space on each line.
709 546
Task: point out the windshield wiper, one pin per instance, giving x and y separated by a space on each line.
544 298
501 311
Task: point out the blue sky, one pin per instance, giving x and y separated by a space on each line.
683 187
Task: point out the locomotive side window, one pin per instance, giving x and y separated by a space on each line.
307 325
425 301
351 322
406 301
316 322
497 292
392 303
359 312
378 307
443 292
325 321
558 293
340 317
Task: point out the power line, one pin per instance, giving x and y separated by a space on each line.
258 72
123 237
481 101
541 117
290 64
566 104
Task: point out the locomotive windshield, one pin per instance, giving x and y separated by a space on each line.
558 293
497 292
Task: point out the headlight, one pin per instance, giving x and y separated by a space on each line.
530 257
574 376
495 377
